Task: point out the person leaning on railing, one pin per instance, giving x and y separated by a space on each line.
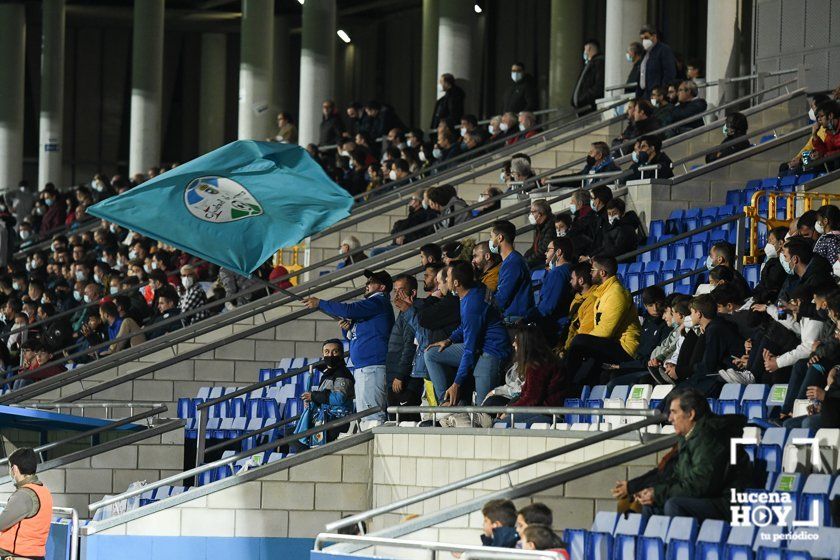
828 117
804 155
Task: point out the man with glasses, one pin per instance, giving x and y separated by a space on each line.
367 325
688 105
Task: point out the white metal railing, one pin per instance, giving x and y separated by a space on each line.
468 551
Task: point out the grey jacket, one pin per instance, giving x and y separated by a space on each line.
668 346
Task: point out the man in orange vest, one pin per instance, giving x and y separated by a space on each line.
25 522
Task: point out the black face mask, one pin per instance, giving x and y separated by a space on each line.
333 362
822 314
590 161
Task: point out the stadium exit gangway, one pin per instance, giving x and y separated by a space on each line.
466 552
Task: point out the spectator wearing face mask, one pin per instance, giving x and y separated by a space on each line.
192 295
663 109
514 295
542 219
649 152
772 275
494 129
119 327
417 215
735 134
446 148
527 127
590 82
521 93
803 157
658 65
622 233
489 192
509 124
599 160
450 107
486 264
828 226
520 171
552 311
634 55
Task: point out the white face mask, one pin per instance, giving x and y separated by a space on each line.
132 255
87 298
113 228
81 276
628 57
482 197
114 290
819 227
436 153
392 175
647 44
491 129
502 177
811 115
463 132
835 269
687 322
654 102
503 127
521 127
15 286
97 279
612 219
561 233
421 155
77 295
516 76
187 282
532 220
770 251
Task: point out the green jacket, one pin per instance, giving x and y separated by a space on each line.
701 468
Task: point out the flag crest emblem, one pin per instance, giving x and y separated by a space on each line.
220 200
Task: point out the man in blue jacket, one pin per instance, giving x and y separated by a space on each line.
477 348
556 294
367 325
659 66
514 295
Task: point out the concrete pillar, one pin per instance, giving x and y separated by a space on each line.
722 31
624 19
52 93
455 30
564 55
146 86
12 56
429 62
317 66
211 110
282 90
256 68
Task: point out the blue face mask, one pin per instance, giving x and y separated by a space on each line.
552 265
709 263
592 204
642 157
635 157
786 265
48 201
573 208
493 247
585 58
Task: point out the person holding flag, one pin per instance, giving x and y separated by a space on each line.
367 325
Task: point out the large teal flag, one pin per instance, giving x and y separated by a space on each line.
235 206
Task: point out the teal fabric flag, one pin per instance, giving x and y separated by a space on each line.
235 206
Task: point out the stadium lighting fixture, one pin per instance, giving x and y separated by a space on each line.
477 8
343 35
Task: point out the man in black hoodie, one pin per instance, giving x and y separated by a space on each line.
331 127
521 93
337 388
718 342
450 107
620 235
649 152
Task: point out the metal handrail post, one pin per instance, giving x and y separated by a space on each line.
201 420
740 241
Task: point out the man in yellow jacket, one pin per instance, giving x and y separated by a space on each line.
615 335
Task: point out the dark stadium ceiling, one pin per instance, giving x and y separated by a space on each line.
219 13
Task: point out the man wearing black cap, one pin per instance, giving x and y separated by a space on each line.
367 325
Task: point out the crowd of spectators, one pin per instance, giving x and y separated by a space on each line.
81 283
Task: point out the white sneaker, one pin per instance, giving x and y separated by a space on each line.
734 376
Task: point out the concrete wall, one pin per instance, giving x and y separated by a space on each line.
296 502
84 482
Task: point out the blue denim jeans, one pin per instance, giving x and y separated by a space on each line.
443 366
370 390
801 377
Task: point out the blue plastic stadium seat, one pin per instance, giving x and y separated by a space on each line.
735 198
651 545
595 400
767 138
804 178
624 545
655 230
824 546
739 544
753 184
710 540
599 539
729 401
577 402
753 400
752 273
537 277
186 408
682 532
679 250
